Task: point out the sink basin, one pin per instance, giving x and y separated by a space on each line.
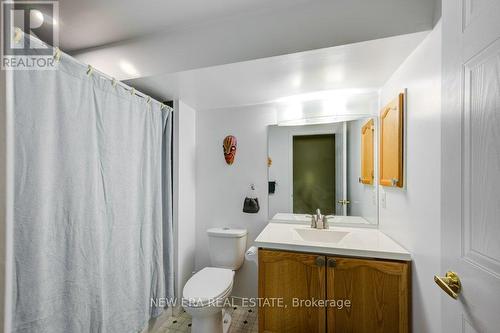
321 236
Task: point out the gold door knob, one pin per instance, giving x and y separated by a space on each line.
450 283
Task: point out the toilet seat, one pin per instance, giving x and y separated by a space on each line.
208 285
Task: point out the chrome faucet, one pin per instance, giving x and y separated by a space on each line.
318 215
319 221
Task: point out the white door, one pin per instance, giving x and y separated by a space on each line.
471 163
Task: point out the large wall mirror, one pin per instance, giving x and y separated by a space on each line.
329 166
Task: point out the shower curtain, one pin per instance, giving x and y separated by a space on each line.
92 225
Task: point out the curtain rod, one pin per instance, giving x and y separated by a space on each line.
19 33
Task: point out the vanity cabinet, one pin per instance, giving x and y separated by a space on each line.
378 292
283 278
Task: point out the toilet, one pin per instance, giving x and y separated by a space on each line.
206 291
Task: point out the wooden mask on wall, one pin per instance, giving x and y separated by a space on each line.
229 146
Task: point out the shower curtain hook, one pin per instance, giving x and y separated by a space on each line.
252 187
148 99
113 82
57 54
90 69
18 34
132 91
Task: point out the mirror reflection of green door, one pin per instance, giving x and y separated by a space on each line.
314 174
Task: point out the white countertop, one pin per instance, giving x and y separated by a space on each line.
359 242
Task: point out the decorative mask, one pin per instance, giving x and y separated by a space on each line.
229 147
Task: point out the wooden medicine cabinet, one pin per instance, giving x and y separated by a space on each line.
367 164
391 143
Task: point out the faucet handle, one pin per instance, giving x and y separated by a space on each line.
325 221
314 221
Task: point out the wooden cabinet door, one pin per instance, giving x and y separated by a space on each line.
289 276
378 291
391 143
367 153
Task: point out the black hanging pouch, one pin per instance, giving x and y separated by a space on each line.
251 205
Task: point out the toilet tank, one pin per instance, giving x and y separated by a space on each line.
227 247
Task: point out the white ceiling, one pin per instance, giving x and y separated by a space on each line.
90 23
192 34
365 65
223 53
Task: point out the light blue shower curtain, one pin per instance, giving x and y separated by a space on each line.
92 226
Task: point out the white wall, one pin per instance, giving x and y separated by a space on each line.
184 184
279 152
221 188
412 215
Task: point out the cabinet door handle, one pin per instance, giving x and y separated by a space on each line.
332 262
320 261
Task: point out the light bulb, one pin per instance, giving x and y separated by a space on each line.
36 18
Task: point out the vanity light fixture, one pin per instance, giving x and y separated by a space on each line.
325 107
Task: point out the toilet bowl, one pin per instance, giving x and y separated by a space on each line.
205 293
204 296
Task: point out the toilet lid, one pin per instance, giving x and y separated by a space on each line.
208 284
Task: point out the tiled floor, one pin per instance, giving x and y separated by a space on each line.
244 320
